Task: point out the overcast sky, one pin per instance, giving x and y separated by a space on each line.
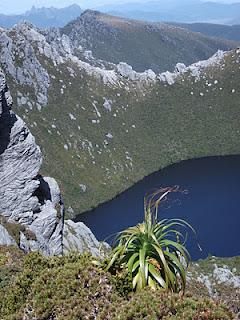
19 6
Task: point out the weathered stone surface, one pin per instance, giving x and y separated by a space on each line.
127 71
79 238
25 196
218 278
194 69
225 276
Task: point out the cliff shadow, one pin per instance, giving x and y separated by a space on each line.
43 192
7 121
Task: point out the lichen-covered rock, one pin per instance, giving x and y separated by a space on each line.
223 275
27 198
195 69
78 238
218 278
127 71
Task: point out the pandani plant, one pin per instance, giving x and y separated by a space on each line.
154 252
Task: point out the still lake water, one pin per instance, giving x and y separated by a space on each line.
211 206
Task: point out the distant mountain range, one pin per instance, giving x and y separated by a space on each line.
180 11
43 17
184 11
143 45
213 30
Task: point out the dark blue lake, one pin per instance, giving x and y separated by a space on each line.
211 206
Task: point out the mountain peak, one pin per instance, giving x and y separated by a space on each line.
35 9
43 17
92 13
106 17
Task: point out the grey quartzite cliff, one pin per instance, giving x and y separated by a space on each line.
26 198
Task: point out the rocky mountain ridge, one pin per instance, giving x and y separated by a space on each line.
22 46
143 45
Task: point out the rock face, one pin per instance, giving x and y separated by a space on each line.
29 201
78 238
26 197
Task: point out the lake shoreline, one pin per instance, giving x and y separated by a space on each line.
78 216
200 177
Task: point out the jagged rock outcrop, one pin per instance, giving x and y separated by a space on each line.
78 238
22 52
194 69
27 198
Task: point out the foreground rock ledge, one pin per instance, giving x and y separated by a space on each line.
31 206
